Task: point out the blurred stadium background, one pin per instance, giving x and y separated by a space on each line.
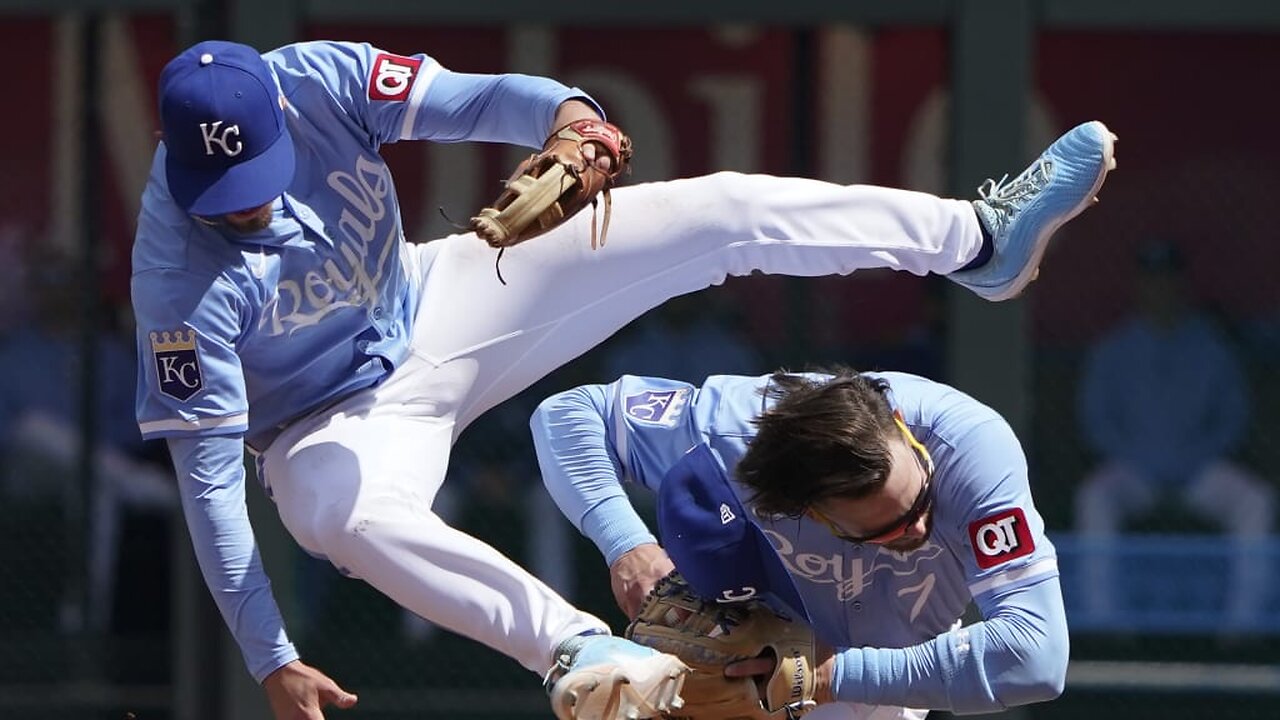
102 612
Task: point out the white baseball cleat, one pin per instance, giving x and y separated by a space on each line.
602 677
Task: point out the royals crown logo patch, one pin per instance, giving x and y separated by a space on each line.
656 407
177 364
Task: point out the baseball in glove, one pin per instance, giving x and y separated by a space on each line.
550 186
707 636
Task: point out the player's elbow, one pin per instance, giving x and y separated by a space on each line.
555 406
559 423
1040 676
1042 686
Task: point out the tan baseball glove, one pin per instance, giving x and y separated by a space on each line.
551 186
707 636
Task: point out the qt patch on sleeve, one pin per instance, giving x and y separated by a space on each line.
392 77
1002 537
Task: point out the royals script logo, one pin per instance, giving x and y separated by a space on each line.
852 575
356 276
177 363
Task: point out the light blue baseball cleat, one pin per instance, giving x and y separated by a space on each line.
1022 214
602 677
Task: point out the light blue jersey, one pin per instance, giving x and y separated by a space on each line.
239 334
318 304
987 544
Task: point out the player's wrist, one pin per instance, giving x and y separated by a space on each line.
279 658
572 110
275 676
823 673
644 560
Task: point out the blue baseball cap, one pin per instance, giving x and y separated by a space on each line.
228 148
714 543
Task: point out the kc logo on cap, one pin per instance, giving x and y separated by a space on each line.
214 134
227 145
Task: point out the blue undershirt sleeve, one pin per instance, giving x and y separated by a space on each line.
1016 656
211 484
582 471
511 108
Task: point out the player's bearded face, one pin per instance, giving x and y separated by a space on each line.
249 221
245 222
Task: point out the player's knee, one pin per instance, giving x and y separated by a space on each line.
341 532
328 529
728 190
735 189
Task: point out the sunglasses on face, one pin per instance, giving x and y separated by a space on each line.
921 505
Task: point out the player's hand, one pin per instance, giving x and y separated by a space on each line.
762 667
571 110
634 574
298 691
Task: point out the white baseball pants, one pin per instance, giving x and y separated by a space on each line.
355 482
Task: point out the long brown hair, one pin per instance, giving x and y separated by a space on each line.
823 438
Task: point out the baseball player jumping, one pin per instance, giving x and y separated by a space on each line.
892 501
279 308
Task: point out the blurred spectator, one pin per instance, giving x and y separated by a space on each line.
687 338
1163 402
41 361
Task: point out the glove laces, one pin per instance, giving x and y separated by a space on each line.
797 709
